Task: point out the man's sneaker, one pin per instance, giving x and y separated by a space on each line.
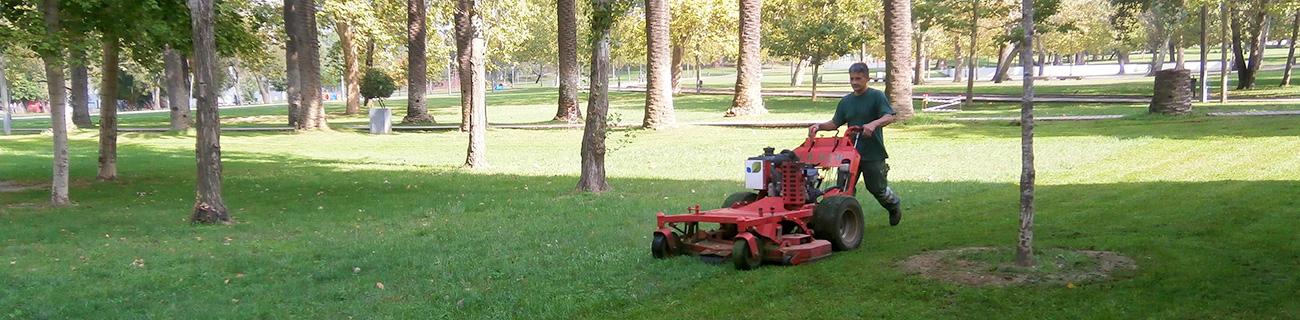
895 215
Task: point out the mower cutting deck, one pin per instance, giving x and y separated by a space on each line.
788 218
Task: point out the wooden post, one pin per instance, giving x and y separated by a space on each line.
1205 39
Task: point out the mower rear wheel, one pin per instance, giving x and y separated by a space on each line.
734 198
743 258
659 246
838 219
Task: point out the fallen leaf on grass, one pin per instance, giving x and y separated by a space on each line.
380 285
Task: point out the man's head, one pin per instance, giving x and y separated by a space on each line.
859 76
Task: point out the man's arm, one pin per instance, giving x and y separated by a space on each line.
824 126
869 129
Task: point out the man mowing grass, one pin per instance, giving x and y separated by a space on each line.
869 109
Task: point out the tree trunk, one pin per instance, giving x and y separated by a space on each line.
1223 53
58 107
1005 66
677 60
1249 53
592 178
417 69
974 33
263 90
1290 54
469 54
567 107
351 69
801 66
1173 92
209 207
1123 61
1042 58
178 94
293 74
1205 55
239 87
816 70
108 109
659 92
918 78
80 97
748 100
1025 240
1180 60
898 40
960 66
4 97
311 113
1157 59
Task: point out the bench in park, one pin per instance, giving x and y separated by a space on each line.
1070 77
944 104
1043 78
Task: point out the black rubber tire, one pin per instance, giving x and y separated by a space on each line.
838 219
740 256
659 246
738 197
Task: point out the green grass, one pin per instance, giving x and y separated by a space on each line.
1205 205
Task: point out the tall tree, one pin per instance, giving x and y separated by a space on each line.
209 207
416 70
659 95
469 54
293 74
1250 26
348 17
898 56
592 178
1290 54
311 114
698 28
51 52
566 11
818 30
748 99
108 107
178 90
1025 242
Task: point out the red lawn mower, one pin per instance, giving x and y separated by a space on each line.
781 221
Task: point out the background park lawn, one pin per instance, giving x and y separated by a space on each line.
1207 207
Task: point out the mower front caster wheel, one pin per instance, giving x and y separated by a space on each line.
743 258
659 246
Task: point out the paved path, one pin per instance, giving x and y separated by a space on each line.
1254 113
1059 118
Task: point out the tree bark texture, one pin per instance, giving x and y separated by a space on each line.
816 73
209 207
1122 57
592 177
312 113
898 50
351 67
58 107
293 75
959 68
263 90
1290 54
80 97
417 67
234 74
178 93
108 108
919 66
1173 92
748 99
659 90
469 54
1025 239
567 107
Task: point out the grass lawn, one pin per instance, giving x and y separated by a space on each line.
1206 205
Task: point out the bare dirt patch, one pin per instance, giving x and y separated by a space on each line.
987 266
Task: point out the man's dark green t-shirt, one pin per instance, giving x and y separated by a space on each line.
857 110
